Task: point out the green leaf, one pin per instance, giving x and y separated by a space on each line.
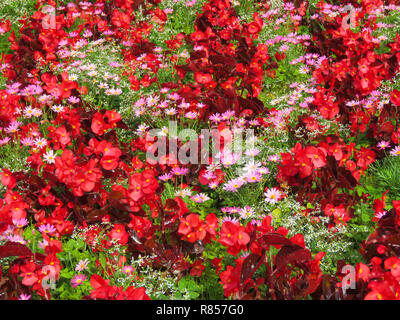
365 217
102 259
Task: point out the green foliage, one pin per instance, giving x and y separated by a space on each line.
383 175
74 250
98 57
13 157
168 192
181 19
188 288
342 244
212 289
245 9
13 10
392 18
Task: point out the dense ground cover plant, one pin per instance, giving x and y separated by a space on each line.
309 94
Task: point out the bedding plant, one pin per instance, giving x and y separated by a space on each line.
110 189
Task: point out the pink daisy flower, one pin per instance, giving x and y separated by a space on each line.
383 145
165 177
127 269
47 228
180 171
274 158
272 195
77 280
82 265
200 198
20 223
380 215
395 151
233 185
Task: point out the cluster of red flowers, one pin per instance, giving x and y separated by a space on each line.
193 229
103 290
292 266
355 71
330 166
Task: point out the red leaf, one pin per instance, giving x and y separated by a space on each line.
290 254
11 249
170 85
122 125
115 196
276 239
224 60
170 204
96 215
248 266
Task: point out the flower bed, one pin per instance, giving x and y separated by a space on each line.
208 149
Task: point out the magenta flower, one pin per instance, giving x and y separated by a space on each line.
274 158
5 140
73 99
200 198
165 177
252 177
180 171
395 151
12 128
215 117
233 185
27 141
127 269
77 280
383 145
232 210
246 212
20 223
47 228
82 265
